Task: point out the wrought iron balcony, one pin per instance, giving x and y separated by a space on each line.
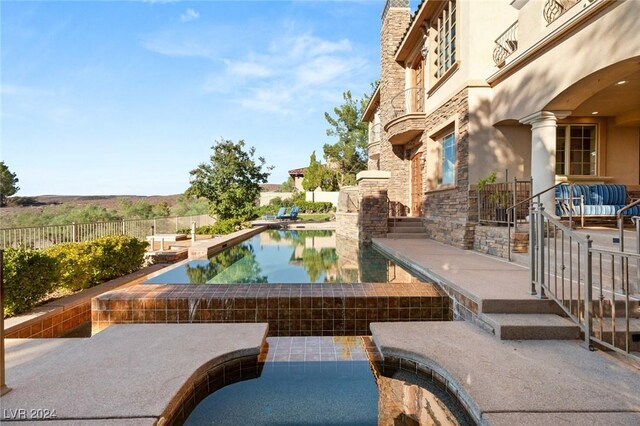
375 133
553 9
506 44
408 101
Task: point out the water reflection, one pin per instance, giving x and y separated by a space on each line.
291 256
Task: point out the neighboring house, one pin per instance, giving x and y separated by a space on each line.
298 176
548 89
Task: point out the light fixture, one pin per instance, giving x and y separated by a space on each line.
594 113
621 82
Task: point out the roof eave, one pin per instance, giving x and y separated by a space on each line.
414 33
370 110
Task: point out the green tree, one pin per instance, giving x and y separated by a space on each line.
230 181
288 185
8 183
161 209
318 175
190 206
349 153
138 210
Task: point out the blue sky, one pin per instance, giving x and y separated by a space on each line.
115 97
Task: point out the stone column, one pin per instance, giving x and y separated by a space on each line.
543 153
373 211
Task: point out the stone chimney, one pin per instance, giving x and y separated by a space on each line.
395 21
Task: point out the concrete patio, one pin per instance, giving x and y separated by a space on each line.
128 374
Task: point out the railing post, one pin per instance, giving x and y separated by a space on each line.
624 270
636 219
193 232
540 228
3 386
123 227
532 247
74 232
588 293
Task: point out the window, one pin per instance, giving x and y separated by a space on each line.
447 174
446 42
576 150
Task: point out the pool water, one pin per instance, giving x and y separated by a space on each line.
295 393
289 256
348 390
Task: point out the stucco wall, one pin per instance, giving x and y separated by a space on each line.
623 146
604 39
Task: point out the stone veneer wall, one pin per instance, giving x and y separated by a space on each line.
447 213
493 240
392 81
347 225
373 213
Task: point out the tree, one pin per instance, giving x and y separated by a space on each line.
288 185
317 175
349 154
8 183
230 181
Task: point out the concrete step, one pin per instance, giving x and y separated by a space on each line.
406 235
407 229
524 306
400 224
531 326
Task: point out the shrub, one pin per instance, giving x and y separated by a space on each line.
74 260
116 256
29 275
221 227
83 265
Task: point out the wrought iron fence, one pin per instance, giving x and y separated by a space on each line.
408 101
506 44
496 201
375 134
597 288
553 9
44 236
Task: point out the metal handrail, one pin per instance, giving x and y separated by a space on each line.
393 218
511 213
571 279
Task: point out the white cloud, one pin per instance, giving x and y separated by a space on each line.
290 75
284 70
189 15
167 45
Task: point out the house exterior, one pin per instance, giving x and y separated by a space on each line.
298 177
541 89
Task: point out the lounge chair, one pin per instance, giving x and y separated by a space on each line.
278 215
293 215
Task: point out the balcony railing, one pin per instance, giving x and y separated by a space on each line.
553 9
408 101
375 133
506 44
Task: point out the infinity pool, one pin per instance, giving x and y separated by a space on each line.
289 256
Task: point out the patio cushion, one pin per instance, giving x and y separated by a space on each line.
585 191
591 210
608 194
599 200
